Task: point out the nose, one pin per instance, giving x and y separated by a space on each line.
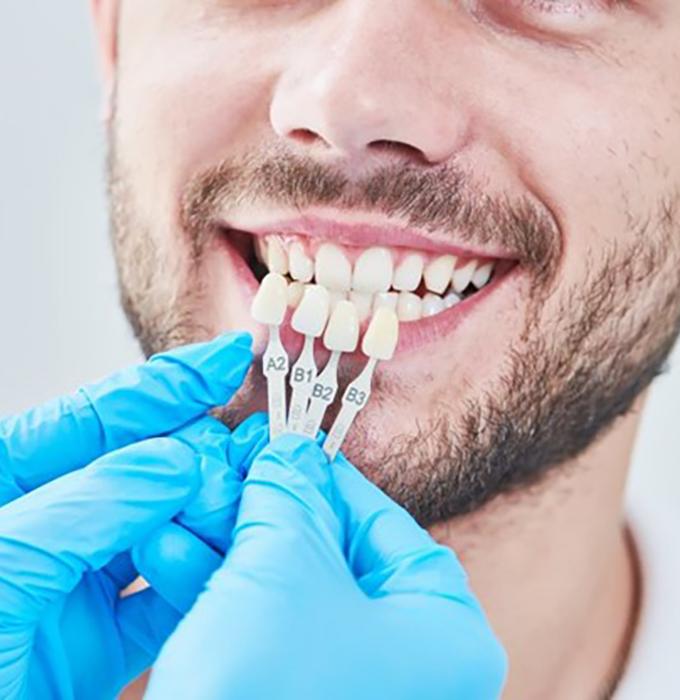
375 78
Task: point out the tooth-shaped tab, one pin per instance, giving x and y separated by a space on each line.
409 273
432 305
373 271
462 276
342 332
269 304
333 269
409 307
482 275
438 273
363 303
386 300
336 297
296 291
311 315
381 337
300 264
277 257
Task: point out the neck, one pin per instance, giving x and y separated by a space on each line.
555 573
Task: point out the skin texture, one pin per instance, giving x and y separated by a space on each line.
559 123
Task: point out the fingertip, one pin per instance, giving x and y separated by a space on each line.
290 453
176 564
241 338
201 431
165 459
247 441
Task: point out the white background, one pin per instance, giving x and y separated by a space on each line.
60 322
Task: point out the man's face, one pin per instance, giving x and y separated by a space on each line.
543 137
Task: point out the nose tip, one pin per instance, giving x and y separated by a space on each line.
338 116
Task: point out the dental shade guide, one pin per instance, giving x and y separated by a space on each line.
309 320
342 335
269 308
379 344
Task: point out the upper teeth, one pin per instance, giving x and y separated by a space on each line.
378 277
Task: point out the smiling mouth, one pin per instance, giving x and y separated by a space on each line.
418 284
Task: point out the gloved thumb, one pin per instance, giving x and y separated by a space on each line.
286 521
388 551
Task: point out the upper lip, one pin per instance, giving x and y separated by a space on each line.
365 234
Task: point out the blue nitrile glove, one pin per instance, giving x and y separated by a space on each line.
329 590
178 558
82 484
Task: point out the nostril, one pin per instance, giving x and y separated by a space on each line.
398 148
304 136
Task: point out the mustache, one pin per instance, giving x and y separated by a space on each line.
441 199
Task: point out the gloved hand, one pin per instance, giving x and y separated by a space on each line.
329 590
82 483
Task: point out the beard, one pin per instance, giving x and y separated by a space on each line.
565 379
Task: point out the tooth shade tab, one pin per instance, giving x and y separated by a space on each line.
311 315
381 337
342 332
333 269
296 291
301 265
363 303
409 273
386 300
271 300
373 271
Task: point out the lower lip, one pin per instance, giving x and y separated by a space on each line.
412 336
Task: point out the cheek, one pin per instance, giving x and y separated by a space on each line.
602 152
183 106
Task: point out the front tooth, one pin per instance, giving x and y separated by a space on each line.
382 335
462 276
409 272
311 315
277 258
363 303
336 297
301 265
438 273
342 332
386 300
409 307
296 291
269 304
333 269
432 305
482 275
373 271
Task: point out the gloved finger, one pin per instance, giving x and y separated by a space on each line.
286 524
50 537
211 514
177 561
386 548
176 564
247 441
145 621
167 392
